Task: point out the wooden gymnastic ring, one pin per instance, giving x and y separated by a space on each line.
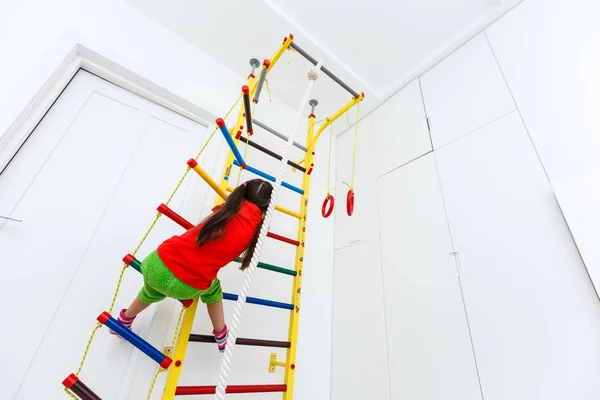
329 201
350 202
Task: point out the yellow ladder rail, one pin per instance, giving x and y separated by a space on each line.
189 315
190 312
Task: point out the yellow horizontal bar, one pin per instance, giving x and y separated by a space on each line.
278 208
338 114
211 182
288 212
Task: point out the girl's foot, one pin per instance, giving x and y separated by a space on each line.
123 320
221 338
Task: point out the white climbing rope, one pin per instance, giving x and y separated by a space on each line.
313 75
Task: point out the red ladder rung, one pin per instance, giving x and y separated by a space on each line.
192 390
165 210
283 239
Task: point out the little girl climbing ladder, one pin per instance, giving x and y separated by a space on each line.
173 361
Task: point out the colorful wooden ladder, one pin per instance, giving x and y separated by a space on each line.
75 387
234 158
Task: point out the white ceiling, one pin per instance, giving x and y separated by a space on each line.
375 46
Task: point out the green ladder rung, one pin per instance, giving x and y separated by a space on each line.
272 268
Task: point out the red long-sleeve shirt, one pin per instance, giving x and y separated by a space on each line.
198 266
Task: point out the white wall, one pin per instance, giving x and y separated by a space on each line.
551 67
359 359
35 37
483 291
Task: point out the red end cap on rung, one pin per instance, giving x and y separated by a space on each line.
266 63
70 381
311 116
251 76
166 363
192 163
291 36
187 303
245 89
220 122
102 318
162 208
244 166
128 259
363 94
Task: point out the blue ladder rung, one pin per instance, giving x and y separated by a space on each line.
262 302
270 177
229 140
135 340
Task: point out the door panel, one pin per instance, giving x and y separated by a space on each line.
425 317
464 92
104 173
400 129
534 315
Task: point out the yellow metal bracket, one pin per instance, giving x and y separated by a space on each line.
167 351
273 363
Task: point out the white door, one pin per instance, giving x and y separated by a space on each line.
86 185
533 313
359 367
430 353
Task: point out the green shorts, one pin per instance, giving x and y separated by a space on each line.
160 282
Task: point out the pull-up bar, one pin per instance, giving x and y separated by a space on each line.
279 135
261 80
246 95
271 153
269 177
193 164
327 72
230 142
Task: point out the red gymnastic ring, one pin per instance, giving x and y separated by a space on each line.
329 201
350 202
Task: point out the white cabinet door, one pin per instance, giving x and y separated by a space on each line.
553 74
429 346
363 223
358 356
552 68
400 129
534 315
464 92
86 184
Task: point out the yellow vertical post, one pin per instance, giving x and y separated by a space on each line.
190 312
290 367
311 142
252 85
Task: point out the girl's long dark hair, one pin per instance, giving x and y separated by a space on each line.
256 191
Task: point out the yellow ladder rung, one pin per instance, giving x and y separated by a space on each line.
278 208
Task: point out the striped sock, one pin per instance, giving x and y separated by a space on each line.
123 320
221 338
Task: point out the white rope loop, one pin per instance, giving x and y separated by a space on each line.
313 75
